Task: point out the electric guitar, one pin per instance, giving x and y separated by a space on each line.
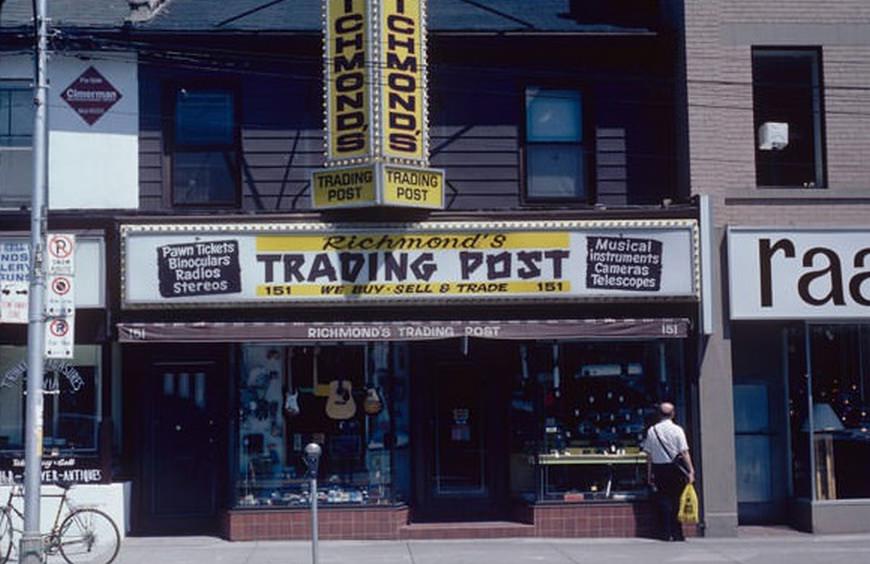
291 396
340 404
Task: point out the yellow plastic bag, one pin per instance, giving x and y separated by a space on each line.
688 513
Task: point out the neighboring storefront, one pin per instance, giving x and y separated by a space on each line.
801 343
450 370
77 429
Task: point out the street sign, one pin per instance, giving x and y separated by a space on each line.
91 95
60 297
59 339
13 302
61 253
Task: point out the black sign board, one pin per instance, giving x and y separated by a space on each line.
621 263
199 268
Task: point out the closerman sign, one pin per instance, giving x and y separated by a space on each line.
225 265
376 106
799 273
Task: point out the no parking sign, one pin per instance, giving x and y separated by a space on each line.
60 299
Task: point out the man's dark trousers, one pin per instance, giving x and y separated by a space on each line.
669 481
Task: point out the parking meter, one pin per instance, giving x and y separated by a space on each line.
312 458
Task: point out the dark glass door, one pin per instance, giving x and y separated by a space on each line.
461 438
184 432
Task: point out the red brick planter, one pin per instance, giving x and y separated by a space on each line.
569 520
603 519
350 523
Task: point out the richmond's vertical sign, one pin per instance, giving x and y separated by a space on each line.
376 129
348 74
403 80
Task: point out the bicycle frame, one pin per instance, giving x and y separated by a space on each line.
17 491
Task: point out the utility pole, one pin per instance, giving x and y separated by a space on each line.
31 540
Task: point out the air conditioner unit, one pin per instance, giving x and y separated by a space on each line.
773 136
16 175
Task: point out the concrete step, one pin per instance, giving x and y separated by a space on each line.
466 530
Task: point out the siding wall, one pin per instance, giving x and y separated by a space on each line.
476 114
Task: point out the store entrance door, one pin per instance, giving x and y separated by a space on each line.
182 471
462 442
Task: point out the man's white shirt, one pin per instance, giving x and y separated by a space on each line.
673 437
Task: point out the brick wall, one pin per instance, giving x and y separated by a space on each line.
719 36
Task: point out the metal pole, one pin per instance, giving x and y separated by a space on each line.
314 539
31 539
808 358
312 460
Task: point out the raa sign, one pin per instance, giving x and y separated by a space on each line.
799 273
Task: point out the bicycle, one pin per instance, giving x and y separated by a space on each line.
84 535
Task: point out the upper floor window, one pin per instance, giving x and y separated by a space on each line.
555 155
788 105
16 140
205 160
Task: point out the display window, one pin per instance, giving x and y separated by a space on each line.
829 409
596 400
349 398
554 421
71 401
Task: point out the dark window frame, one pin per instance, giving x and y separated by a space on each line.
17 85
171 147
586 147
820 181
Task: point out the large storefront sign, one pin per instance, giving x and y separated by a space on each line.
224 265
799 273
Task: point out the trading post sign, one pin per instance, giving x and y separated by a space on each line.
376 107
226 265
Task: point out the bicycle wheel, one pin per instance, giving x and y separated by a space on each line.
5 537
89 535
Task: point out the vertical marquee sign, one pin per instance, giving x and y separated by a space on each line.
376 129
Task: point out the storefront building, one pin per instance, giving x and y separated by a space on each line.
487 356
452 371
801 295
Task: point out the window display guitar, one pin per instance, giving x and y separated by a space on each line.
340 404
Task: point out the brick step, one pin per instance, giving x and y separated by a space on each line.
468 530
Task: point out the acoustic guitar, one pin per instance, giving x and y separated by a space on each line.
340 404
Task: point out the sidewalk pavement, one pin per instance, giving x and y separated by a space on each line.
786 547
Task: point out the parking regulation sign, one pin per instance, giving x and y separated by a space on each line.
60 298
59 339
61 253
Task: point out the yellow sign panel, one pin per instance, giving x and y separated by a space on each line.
345 187
398 241
348 79
402 79
416 187
426 289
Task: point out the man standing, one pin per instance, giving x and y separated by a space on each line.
668 468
